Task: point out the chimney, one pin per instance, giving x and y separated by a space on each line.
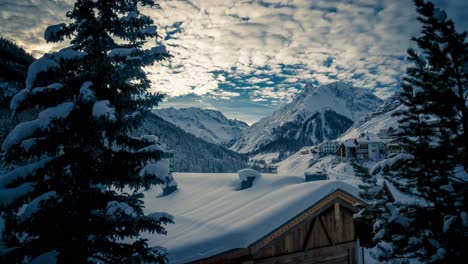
247 177
315 176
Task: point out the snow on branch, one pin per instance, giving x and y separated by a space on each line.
24 94
45 63
21 172
159 50
48 257
8 196
439 15
54 86
35 205
388 163
18 99
86 94
117 210
160 170
103 109
43 121
121 52
52 33
158 216
50 61
150 30
149 138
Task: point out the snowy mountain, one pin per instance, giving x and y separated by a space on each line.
315 115
209 125
377 120
192 154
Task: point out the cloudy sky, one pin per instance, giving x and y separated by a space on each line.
248 57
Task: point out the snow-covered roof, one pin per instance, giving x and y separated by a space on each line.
213 216
349 143
369 138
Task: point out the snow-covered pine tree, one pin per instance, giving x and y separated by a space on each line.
72 190
375 211
430 224
445 54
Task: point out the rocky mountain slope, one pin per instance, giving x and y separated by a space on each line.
192 154
209 125
380 119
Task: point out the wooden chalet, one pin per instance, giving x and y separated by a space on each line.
308 222
325 233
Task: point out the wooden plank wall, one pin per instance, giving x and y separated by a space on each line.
324 234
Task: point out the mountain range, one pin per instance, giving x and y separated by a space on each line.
192 154
209 125
318 113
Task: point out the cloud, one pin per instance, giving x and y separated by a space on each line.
263 50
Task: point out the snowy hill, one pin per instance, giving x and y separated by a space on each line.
316 114
377 120
209 125
192 154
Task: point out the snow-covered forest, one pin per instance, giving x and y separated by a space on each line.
95 170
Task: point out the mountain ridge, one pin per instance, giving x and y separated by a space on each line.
291 122
207 124
191 154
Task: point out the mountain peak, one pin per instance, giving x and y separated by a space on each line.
317 113
207 124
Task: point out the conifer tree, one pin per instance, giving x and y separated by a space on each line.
375 211
444 53
430 223
72 190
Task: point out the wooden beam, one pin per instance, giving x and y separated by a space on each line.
338 219
306 240
326 231
318 255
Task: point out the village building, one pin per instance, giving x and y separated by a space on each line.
369 147
347 149
278 219
328 147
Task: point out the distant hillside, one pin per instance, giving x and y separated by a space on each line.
14 63
192 154
209 125
380 119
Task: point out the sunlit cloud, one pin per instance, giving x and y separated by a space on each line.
263 51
